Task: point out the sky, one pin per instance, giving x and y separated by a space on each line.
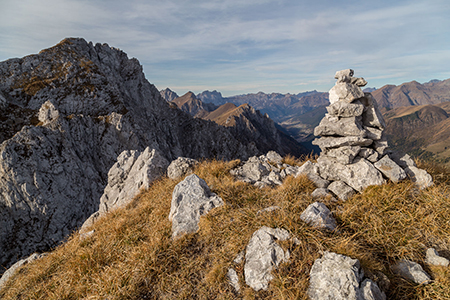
246 46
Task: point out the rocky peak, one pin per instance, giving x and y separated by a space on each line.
168 94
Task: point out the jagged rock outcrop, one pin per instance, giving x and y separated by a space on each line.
336 276
262 255
354 149
168 94
133 171
191 199
67 113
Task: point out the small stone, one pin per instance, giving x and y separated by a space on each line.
320 193
381 145
433 258
342 190
411 271
268 209
234 279
359 81
318 215
390 169
373 133
344 75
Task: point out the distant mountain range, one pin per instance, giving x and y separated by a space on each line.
299 114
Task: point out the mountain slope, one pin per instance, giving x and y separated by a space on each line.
413 93
243 121
67 113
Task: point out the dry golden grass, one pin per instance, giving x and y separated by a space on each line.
131 254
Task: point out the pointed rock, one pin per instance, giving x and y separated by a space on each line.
412 271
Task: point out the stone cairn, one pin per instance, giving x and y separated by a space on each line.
355 152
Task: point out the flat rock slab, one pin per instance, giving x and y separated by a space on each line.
327 142
319 216
412 271
262 255
345 110
336 126
191 198
390 169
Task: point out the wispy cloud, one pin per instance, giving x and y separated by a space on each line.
244 46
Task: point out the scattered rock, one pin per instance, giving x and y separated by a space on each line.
318 215
411 271
180 167
233 279
191 198
433 258
262 255
268 209
335 276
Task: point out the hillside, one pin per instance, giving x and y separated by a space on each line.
413 93
131 254
421 130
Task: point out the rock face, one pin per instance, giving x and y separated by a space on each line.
354 149
340 277
191 199
67 113
262 255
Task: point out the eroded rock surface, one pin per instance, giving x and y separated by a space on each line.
191 198
262 255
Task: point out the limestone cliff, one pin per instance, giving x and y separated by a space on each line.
66 114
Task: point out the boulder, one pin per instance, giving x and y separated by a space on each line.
341 190
335 276
335 126
433 258
262 255
318 215
419 177
412 271
180 167
191 198
390 169
274 157
338 277
343 91
345 110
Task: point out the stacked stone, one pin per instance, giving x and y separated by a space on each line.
354 150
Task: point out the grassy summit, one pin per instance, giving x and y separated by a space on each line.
131 254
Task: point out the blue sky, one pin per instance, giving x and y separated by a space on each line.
238 47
